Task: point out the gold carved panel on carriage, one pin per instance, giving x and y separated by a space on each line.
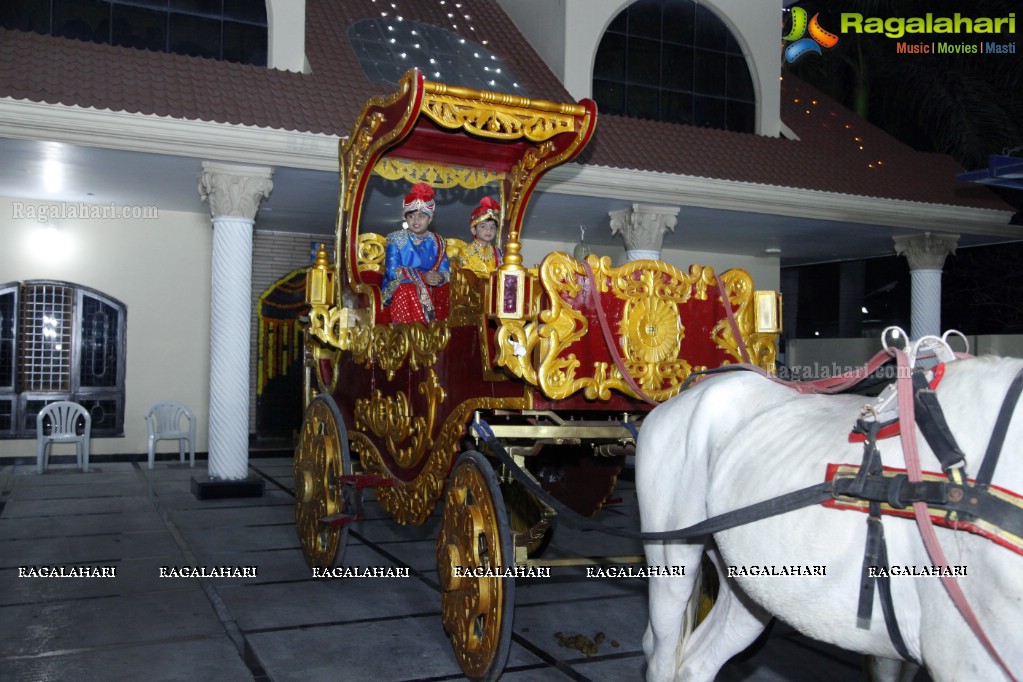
663 323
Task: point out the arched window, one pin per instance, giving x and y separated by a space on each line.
388 47
228 30
674 61
60 341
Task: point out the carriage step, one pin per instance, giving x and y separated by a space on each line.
340 519
361 481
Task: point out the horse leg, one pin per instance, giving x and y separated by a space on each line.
733 624
668 597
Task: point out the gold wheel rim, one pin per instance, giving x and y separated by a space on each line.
318 468
471 607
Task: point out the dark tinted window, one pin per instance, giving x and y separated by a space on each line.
228 30
674 61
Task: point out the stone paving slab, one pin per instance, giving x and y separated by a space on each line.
14 527
327 601
78 489
75 624
78 506
177 495
70 474
612 668
88 548
134 576
211 657
233 538
228 517
571 584
384 530
273 566
420 555
587 620
412 648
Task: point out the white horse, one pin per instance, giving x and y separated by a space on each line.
739 438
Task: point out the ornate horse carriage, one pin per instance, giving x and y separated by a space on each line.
522 349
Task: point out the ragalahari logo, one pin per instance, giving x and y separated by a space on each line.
798 45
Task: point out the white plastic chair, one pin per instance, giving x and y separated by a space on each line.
163 419
63 418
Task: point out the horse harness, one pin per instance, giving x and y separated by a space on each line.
952 500
959 503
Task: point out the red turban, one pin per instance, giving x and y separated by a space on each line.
420 198
488 209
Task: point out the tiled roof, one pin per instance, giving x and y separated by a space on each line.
828 155
837 151
327 100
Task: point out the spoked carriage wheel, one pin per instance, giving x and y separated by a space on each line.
321 458
475 538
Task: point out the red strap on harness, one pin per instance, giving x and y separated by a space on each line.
923 517
739 341
609 341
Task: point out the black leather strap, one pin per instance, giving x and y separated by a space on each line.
931 420
884 587
895 491
994 446
875 552
804 497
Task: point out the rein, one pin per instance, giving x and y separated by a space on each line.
609 341
804 497
920 511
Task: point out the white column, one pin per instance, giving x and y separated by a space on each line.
285 48
926 255
643 227
234 193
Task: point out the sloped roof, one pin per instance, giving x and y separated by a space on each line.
836 151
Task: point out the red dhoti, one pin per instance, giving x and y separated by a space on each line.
406 307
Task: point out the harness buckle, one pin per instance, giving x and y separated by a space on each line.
932 493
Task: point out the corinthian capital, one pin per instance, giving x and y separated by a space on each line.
926 251
234 190
643 226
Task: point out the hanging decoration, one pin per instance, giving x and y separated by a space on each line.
581 249
280 334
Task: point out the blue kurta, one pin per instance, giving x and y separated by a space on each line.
407 257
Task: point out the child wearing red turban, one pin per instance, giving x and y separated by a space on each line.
416 269
483 255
